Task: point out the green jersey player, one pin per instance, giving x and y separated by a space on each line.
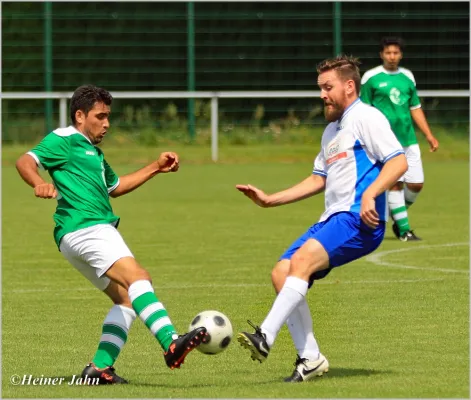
392 90
85 229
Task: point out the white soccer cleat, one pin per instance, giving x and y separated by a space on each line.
305 370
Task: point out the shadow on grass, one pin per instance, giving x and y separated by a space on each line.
391 239
340 373
333 373
348 372
173 386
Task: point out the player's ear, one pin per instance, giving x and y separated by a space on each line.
350 86
80 116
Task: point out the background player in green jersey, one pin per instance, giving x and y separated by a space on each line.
392 90
86 233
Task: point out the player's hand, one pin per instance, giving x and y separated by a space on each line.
168 162
259 197
368 212
433 143
45 191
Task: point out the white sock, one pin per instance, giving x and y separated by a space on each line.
137 288
121 315
291 294
300 326
410 196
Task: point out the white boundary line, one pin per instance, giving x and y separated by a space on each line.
375 258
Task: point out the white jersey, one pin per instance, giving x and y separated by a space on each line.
353 151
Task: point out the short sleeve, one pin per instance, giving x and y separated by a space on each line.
377 136
414 99
52 152
111 179
320 165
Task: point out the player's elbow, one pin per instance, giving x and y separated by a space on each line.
19 163
118 191
115 193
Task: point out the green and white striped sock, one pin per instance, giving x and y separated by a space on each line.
114 335
152 312
397 207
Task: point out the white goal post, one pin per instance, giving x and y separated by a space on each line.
214 96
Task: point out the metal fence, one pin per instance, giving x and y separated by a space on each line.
222 46
213 96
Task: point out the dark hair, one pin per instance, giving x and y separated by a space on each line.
85 97
347 67
392 41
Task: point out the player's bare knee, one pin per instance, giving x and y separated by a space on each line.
126 271
415 187
300 265
139 274
397 186
142 274
279 273
311 258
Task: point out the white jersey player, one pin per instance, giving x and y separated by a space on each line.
360 159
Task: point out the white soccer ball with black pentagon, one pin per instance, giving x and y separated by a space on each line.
219 330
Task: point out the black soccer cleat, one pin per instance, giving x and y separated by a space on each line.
105 376
181 346
255 342
305 370
409 236
396 231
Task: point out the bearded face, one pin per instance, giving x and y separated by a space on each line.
332 111
334 94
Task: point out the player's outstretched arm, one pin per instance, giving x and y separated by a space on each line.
28 170
308 187
392 170
167 162
419 118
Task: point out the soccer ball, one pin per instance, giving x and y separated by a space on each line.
219 330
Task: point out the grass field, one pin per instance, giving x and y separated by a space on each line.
395 324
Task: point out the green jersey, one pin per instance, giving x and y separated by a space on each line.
82 177
395 95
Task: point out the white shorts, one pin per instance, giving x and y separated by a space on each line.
415 172
92 251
